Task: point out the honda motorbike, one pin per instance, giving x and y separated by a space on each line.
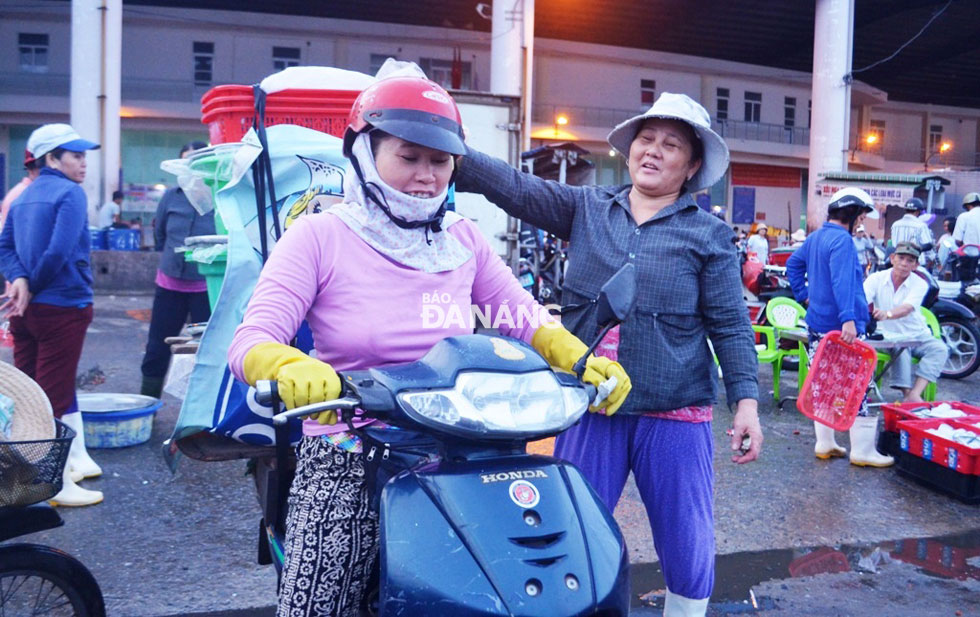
472 525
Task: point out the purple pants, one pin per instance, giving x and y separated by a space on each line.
671 461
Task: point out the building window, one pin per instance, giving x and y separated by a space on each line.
33 50
648 93
721 109
877 128
203 63
809 113
441 72
377 60
789 112
935 137
283 57
753 106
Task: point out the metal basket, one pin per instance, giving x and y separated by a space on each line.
31 471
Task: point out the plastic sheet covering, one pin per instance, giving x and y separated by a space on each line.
309 168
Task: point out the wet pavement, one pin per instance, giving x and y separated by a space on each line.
797 534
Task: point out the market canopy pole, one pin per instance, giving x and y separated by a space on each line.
833 37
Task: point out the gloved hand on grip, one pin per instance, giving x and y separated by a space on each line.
302 380
561 348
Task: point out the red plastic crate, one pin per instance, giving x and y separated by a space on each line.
893 413
913 438
837 381
229 110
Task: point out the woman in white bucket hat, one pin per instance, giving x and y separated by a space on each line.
689 289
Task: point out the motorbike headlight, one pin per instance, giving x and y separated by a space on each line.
500 405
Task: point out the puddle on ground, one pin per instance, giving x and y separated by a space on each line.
955 556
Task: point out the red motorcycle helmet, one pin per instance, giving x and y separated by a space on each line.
29 158
411 108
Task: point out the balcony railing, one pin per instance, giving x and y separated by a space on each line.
59 84
760 131
582 116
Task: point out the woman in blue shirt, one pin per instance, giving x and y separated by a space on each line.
825 274
44 253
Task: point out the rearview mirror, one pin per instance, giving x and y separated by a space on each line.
617 297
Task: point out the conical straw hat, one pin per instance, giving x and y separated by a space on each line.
33 418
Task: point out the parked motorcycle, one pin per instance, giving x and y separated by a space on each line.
471 524
36 579
959 329
965 286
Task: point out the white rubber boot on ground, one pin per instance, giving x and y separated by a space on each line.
827 446
863 450
73 495
679 606
80 463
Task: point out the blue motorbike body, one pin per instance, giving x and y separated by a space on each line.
520 535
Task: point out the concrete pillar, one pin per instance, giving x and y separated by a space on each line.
86 87
832 50
527 91
112 86
506 40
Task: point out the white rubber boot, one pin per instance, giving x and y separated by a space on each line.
679 606
79 462
73 495
863 450
827 446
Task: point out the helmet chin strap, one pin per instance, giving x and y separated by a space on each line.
433 223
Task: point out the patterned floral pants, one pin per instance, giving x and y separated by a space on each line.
331 534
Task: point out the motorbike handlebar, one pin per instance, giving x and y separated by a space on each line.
267 393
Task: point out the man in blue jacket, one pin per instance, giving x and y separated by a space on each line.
826 276
44 253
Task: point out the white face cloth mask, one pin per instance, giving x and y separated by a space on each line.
419 248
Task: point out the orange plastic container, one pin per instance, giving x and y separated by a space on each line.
837 381
229 110
914 438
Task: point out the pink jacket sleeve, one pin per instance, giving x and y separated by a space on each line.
497 294
287 287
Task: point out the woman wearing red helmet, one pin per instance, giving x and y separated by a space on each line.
368 276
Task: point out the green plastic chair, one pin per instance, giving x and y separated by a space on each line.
787 314
929 394
768 353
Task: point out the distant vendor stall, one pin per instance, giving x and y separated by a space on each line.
890 192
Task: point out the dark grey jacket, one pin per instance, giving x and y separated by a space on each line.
176 219
688 282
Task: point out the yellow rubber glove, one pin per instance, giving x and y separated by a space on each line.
302 380
561 348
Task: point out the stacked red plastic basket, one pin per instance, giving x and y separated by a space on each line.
229 110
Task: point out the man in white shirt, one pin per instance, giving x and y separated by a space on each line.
110 212
759 244
897 295
910 229
967 229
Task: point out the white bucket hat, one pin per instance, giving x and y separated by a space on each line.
680 107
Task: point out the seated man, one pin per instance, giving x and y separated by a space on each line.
897 295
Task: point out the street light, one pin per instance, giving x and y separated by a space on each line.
944 147
560 120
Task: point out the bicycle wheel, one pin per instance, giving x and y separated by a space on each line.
40 580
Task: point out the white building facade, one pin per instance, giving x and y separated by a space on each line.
171 57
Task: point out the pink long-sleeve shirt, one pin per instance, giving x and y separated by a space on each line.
366 310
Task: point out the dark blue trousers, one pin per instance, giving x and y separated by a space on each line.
170 312
671 462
